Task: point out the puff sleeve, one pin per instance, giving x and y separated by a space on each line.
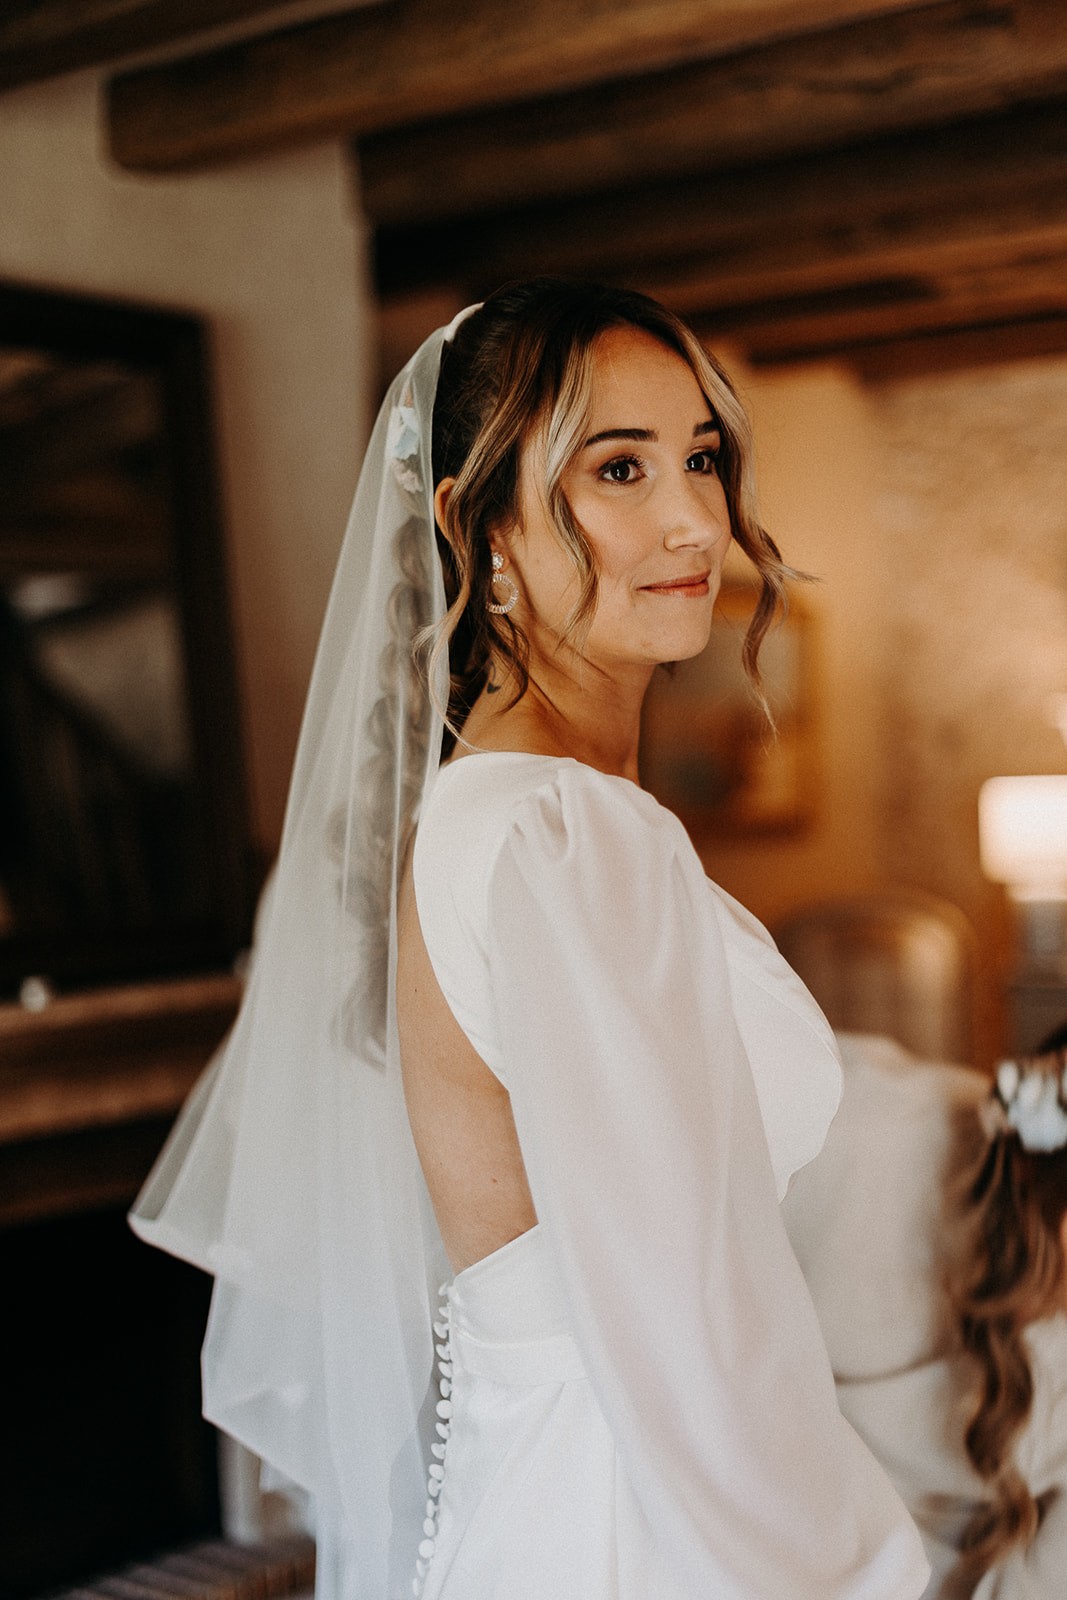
620 1039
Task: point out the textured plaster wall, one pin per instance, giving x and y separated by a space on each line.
817 467
271 253
934 511
971 516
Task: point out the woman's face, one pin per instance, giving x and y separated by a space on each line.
645 491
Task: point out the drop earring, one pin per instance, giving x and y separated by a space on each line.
500 576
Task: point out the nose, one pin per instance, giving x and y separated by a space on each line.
693 517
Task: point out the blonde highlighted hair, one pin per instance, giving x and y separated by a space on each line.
519 372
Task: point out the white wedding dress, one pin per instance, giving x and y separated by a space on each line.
637 1401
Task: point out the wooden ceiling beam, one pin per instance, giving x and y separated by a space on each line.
904 354
966 196
367 70
871 77
41 37
1027 292
1030 290
922 246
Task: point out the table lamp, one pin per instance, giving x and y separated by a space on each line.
1022 826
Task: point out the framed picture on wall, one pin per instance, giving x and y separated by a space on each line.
706 750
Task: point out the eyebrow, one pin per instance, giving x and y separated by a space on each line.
647 435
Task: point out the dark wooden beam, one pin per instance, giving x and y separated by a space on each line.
871 77
970 196
367 70
1029 293
41 37
861 323
942 349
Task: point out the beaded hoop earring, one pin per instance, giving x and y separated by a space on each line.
500 576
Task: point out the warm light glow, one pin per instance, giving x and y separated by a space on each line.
1023 829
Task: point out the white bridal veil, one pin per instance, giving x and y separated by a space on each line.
292 1176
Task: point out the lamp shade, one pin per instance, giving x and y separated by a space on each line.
1022 825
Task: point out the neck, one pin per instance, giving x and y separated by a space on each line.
571 707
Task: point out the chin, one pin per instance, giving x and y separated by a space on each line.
695 649
688 643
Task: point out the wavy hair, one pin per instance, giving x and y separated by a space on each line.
367 841
1008 1271
519 371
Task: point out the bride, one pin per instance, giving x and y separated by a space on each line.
529 1060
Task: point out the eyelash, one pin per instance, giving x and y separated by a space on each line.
711 454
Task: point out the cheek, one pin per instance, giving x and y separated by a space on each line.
549 579
721 511
621 545
615 564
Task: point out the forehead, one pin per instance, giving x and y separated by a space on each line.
634 376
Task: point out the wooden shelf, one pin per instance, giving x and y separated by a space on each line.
90 1084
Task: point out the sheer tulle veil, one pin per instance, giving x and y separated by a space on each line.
292 1176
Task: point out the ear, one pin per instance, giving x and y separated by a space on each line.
441 496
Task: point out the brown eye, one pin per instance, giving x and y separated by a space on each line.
704 461
624 469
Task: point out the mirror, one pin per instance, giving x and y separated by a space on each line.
123 839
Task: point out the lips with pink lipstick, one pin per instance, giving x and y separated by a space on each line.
692 585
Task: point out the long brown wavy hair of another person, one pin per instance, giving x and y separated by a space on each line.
1009 1272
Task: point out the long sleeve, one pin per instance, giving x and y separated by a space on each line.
624 1052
